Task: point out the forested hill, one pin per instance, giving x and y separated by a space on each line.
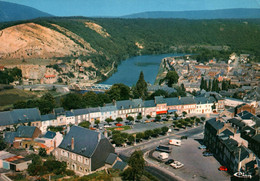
240 13
14 12
112 40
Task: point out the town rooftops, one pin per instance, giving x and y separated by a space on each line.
231 144
108 108
236 122
9 137
245 115
204 100
256 138
129 104
85 141
120 165
17 116
226 134
49 135
25 131
93 109
69 114
215 124
111 158
59 111
149 103
48 117
78 112
159 99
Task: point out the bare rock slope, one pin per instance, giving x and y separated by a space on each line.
32 40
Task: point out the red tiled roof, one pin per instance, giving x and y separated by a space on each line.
50 76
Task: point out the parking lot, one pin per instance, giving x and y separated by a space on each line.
196 166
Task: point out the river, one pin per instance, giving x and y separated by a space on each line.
128 71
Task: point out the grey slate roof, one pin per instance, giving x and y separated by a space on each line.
236 122
108 109
256 138
173 101
59 111
159 99
69 114
50 134
48 117
230 144
226 134
78 112
9 137
187 100
19 116
85 141
149 103
93 109
245 115
119 165
205 100
25 131
128 104
111 158
215 124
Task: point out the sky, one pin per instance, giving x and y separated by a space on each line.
124 7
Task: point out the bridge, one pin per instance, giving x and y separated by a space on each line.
91 87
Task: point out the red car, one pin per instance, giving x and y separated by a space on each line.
118 124
222 168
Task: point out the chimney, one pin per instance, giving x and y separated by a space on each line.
54 143
179 97
72 143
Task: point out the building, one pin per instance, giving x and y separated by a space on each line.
132 108
19 117
108 111
84 150
49 141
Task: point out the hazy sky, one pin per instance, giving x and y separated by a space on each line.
124 7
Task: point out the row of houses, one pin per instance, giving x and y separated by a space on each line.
201 104
225 137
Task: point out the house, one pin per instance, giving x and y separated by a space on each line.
80 115
13 162
115 162
47 120
132 108
244 107
19 117
149 108
23 133
205 105
49 141
84 150
108 111
94 114
161 105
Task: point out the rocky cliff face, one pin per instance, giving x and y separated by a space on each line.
32 40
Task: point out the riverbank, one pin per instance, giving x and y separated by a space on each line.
161 72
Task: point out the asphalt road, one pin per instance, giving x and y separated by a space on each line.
160 173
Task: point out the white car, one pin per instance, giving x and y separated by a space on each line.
177 164
107 126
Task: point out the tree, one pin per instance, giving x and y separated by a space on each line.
197 120
119 92
148 134
164 129
140 90
85 124
97 122
72 101
139 117
136 166
157 117
3 145
130 118
176 115
182 87
156 132
172 78
108 120
131 139
203 119
139 136
119 119
184 113
148 116
42 152
159 93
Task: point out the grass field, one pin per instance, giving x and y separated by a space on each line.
11 96
120 128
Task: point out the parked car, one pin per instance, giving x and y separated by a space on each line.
107 126
128 123
119 124
207 154
177 164
222 168
202 147
169 161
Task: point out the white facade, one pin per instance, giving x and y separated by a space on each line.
204 108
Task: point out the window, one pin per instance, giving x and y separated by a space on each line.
86 161
80 159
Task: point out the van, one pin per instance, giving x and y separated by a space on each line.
175 142
163 156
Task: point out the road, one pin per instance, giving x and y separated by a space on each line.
160 173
